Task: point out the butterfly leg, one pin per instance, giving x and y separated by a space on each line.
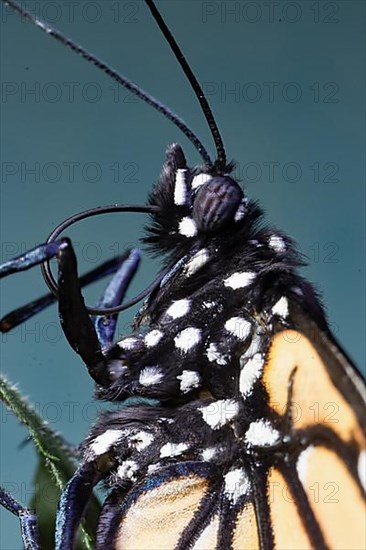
22 314
87 338
113 295
28 520
73 502
81 333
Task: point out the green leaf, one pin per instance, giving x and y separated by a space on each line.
45 501
57 464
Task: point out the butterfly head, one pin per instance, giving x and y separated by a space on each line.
194 205
217 203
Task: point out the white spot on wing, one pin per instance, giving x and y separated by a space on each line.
127 469
250 373
214 356
281 307
199 180
189 380
361 468
236 484
153 337
179 308
173 449
188 338
239 327
150 375
104 441
196 262
187 227
239 279
218 413
180 189
302 463
277 243
261 433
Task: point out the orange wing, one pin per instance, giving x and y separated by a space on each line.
310 379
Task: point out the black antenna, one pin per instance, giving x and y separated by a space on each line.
122 80
206 109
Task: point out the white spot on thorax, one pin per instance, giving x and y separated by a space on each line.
173 449
179 308
187 227
128 469
261 433
150 375
153 337
180 189
361 468
250 373
214 356
196 262
236 484
208 454
302 463
104 442
189 380
153 468
188 338
277 243
220 412
239 279
141 440
239 327
281 307
199 180
208 305
127 343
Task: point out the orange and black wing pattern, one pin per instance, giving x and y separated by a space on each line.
280 466
322 489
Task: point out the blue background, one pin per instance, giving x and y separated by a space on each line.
309 54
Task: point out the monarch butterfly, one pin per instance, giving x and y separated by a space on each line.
240 481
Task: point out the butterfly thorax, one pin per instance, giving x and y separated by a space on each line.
229 280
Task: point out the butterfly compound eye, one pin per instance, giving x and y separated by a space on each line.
216 203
